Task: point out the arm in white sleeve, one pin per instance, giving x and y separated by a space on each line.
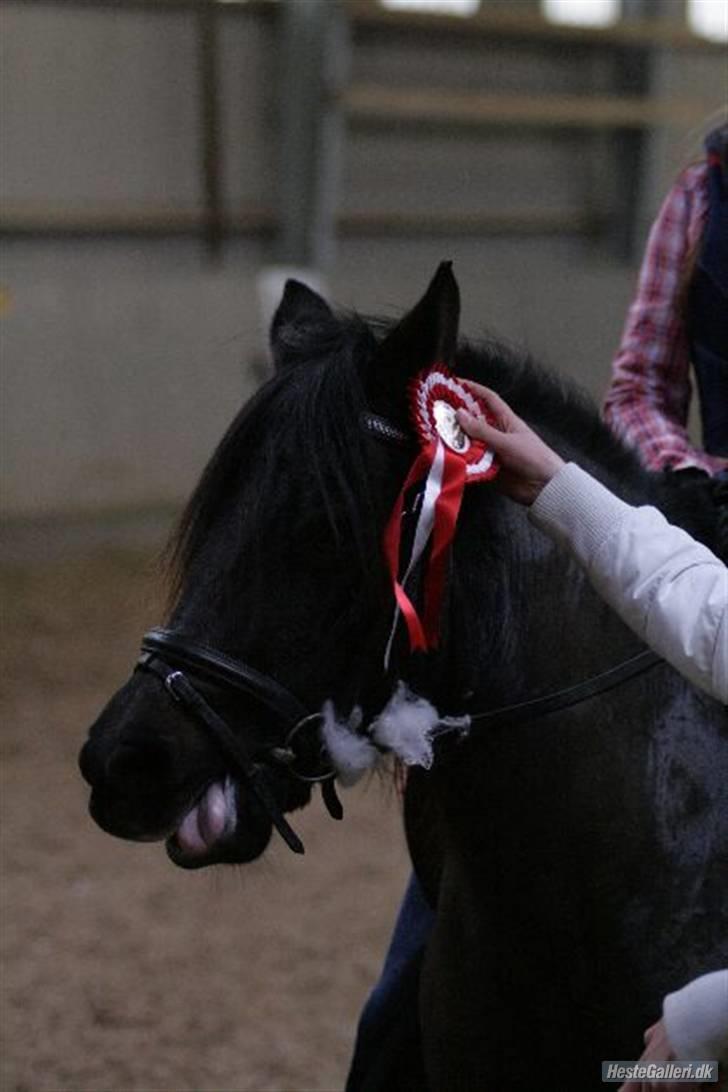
671 590
696 1018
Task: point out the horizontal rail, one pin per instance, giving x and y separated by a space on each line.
531 24
23 219
365 103
236 7
504 222
520 24
57 222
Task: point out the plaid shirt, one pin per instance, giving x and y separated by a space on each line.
649 396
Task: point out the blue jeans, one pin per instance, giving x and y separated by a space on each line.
388 1051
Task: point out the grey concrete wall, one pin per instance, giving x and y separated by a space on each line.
123 360
122 364
100 105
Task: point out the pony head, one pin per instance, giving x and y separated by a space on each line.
277 565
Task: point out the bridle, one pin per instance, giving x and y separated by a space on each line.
170 656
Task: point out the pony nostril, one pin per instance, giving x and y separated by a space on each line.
136 768
111 817
124 797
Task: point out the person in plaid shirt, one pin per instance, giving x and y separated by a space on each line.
682 290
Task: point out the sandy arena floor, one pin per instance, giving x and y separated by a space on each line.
121 972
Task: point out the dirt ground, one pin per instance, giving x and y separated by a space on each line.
121 972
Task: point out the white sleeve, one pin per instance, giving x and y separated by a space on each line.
696 1018
671 590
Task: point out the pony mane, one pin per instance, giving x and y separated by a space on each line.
306 415
309 414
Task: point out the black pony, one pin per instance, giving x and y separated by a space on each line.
578 859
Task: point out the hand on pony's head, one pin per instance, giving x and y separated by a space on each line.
527 463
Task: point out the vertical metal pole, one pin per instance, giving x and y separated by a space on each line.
210 135
331 139
313 67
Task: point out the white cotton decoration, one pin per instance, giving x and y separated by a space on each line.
351 754
405 727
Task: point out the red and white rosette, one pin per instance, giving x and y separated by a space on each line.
447 461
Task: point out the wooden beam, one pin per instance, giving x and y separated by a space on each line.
37 220
55 222
488 23
372 104
519 222
523 24
237 7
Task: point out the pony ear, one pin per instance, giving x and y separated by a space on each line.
428 334
299 315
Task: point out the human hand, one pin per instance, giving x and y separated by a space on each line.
527 463
658 1048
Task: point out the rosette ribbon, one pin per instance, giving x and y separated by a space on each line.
448 459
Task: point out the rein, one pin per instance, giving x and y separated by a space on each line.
523 711
165 653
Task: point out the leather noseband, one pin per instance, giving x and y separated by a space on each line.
168 655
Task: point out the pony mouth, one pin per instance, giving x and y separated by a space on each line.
206 826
